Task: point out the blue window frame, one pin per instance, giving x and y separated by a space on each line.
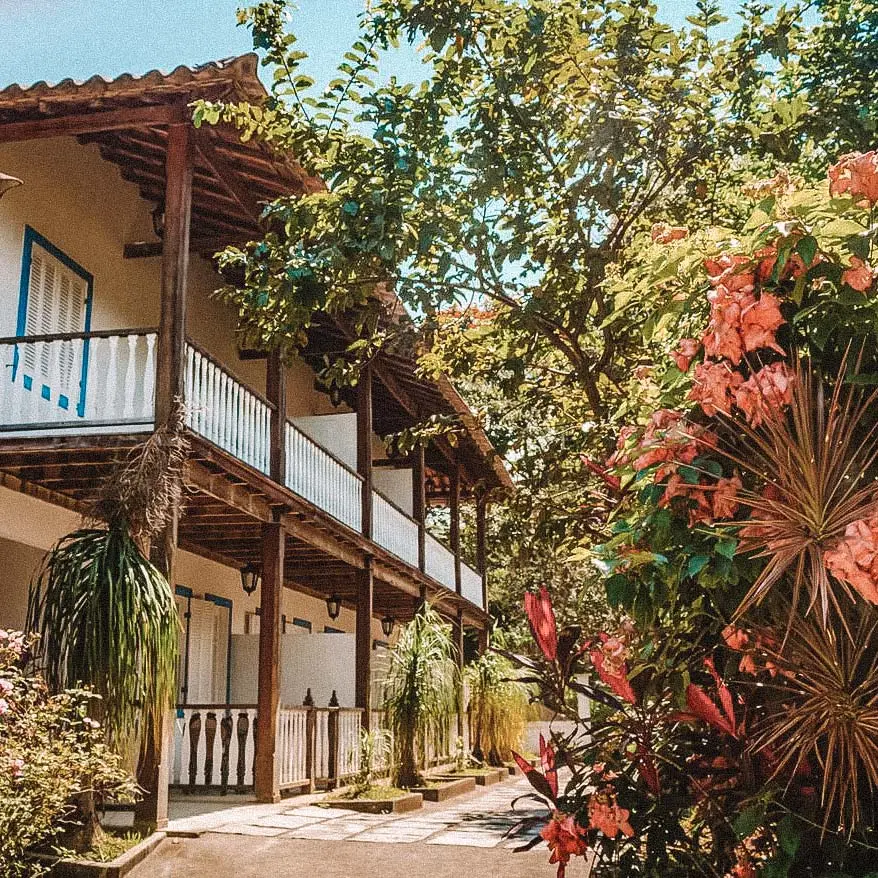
31 238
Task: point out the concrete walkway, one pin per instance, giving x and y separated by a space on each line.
471 835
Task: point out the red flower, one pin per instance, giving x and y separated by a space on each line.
724 503
565 838
854 558
713 387
686 350
759 322
702 707
616 679
765 392
735 638
541 616
859 276
605 815
857 174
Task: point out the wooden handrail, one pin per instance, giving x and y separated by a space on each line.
324 450
215 707
76 336
212 359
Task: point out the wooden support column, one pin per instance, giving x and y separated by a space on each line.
419 504
267 778
365 590
482 546
276 391
154 768
457 634
454 507
364 444
175 266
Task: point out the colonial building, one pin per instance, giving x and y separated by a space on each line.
302 541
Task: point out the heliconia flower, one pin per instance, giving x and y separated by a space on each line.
565 838
857 174
859 276
541 616
662 233
685 352
605 815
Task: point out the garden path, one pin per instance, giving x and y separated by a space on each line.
473 834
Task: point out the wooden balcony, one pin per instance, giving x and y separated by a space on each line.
64 388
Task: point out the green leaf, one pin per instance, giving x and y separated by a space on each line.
696 564
727 548
789 834
618 590
749 820
807 249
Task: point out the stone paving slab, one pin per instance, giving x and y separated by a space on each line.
248 829
286 821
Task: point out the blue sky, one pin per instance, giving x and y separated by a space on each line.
52 39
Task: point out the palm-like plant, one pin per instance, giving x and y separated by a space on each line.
822 713
498 708
420 691
815 464
105 614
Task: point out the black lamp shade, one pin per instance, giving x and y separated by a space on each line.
333 606
250 578
387 624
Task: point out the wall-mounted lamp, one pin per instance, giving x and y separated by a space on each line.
387 624
158 219
333 606
250 574
7 183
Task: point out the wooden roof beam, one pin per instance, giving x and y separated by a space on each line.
84 123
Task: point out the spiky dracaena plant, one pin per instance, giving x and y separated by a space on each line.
498 708
105 613
421 689
815 465
822 714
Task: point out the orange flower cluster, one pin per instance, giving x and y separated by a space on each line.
565 838
857 174
605 815
860 276
662 233
765 392
610 659
739 322
854 559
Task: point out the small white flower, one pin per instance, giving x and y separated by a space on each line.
17 767
5 686
4 706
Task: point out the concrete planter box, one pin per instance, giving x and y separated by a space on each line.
446 789
122 865
410 802
483 779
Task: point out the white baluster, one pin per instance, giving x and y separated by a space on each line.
111 389
189 384
130 381
235 420
54 412
213 404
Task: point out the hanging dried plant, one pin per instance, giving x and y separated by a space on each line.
822 718
814 465
143 490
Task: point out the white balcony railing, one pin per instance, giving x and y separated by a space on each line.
89 382
226 412
439 562
471 585
394 530
313 473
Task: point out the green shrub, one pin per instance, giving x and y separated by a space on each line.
51 754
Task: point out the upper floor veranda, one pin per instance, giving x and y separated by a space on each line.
107 313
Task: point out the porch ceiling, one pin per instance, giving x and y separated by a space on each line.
226 505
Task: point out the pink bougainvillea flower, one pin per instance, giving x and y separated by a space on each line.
759 322
605 815
565 838
662 233
541 616
765 393
4 706
725 271
854 559
714 383
685 352
859 276
856 174
725 504
5 686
